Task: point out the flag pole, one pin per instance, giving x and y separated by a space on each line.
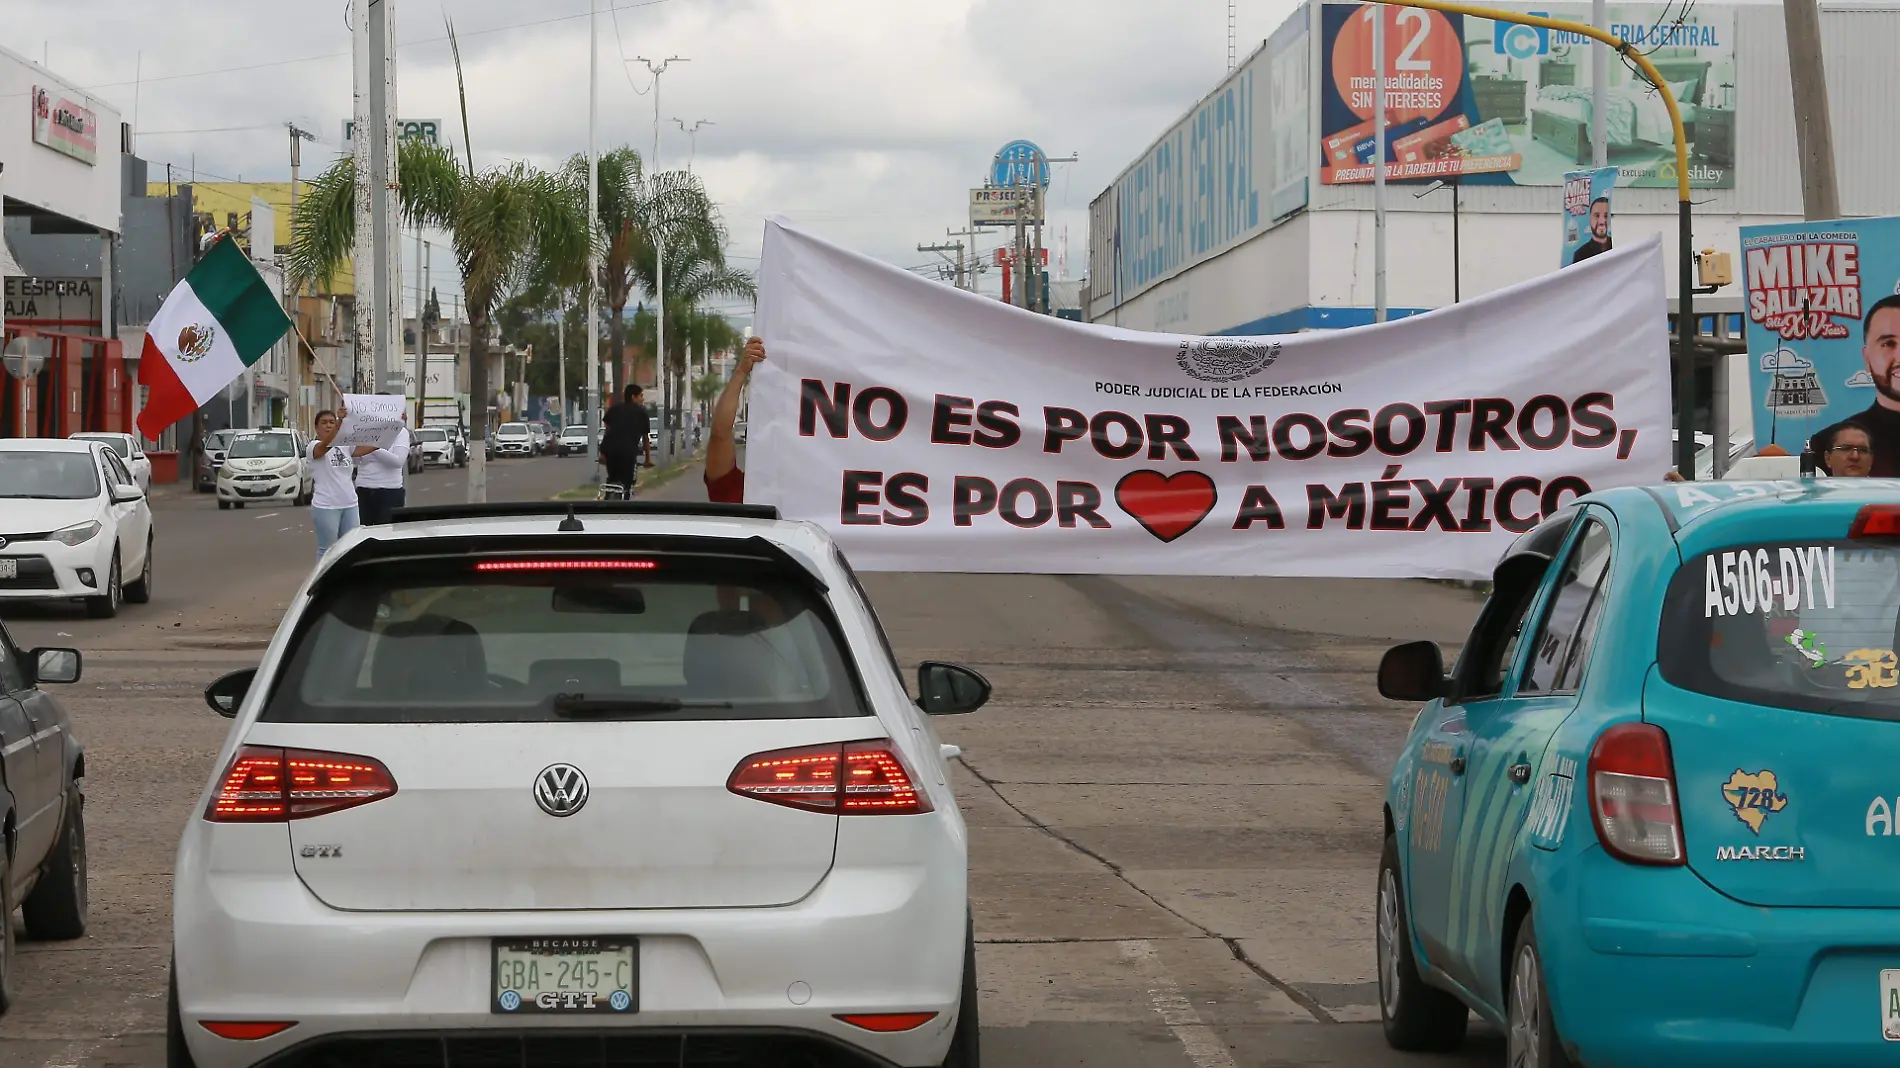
315 359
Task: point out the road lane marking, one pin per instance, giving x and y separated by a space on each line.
268 515
1203 1046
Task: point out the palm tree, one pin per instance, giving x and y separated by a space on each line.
696 272
504 221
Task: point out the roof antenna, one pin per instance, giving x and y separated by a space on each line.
570 523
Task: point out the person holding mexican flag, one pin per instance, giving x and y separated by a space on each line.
217 322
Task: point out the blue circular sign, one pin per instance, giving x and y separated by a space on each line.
620 1000
1015 164
510 1001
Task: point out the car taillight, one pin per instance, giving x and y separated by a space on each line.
1876 521
846 779
269 785
1633 795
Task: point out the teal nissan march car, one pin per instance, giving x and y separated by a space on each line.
1652 814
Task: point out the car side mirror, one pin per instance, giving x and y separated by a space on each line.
126 494
225 695
1414 671
950 689
55 665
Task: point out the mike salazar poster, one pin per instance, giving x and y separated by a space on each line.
1507 104
930 429
1587 214
1824 331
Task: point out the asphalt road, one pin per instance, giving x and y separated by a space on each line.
1174 796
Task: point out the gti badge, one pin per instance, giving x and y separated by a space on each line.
560 789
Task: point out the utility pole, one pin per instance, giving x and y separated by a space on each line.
593 417
422 330
293 404
956 247
659 267
378 290
1037 299
560 356
692 137
1813 132
1599 86
1378 163
966 277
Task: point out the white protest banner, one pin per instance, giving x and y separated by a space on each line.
931 429
373 419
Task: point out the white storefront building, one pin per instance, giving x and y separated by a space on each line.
1254 213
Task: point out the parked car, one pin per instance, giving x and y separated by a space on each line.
459 436
519 698
1659 772
74 524
514 439
266 465
210 459
414 463
129 450
42 767
435 447
543 437
573 439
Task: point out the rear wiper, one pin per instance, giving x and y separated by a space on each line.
581 706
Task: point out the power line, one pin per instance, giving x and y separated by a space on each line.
339 55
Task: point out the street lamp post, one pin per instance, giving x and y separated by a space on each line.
692 138
659 263
1457 261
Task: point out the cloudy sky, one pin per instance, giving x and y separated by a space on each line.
866 120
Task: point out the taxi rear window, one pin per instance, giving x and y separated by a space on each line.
1810 626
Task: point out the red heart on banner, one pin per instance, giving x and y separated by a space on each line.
1167 505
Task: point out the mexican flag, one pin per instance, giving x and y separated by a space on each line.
215 323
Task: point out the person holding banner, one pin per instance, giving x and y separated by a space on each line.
379 478
333 507
725 479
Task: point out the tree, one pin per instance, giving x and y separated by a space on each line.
503 221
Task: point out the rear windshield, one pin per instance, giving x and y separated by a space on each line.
485 640
1808 626
253 446
118 444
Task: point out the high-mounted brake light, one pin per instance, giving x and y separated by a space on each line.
269 785
847 779
1633 795
566 565
1876 521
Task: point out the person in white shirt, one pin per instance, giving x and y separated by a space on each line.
379 478
333 508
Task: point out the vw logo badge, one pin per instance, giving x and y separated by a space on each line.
619 1001
560 789
510 1001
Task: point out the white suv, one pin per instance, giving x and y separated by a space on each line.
640 784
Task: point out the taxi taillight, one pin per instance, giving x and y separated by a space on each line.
1633 795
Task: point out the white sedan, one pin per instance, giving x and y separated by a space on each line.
601 789
73 524
129 450
434 445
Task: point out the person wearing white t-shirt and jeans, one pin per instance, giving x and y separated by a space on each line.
333 509
379 479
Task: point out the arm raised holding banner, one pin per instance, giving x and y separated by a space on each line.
725 479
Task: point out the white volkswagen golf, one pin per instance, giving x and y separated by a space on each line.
637 784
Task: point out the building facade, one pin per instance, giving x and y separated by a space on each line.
1254 213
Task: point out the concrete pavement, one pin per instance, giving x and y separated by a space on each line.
1173 798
